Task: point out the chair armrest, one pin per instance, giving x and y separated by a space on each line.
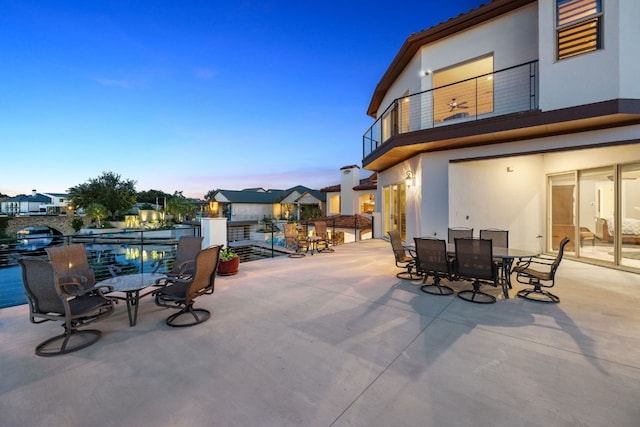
114 270
72 278
76 289
186 266
164 281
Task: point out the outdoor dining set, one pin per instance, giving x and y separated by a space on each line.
64 288
485 260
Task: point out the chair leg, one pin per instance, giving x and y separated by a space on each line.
199 315
476 295
435 288
410 274
71 340
536 293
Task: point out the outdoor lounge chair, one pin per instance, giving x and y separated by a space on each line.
184 262
474 261
65 300
404 259
540 272
181 293
432 260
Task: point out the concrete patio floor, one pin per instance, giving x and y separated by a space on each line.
336 340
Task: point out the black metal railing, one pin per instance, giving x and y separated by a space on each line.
510 90
128 251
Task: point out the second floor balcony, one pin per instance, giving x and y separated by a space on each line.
500 93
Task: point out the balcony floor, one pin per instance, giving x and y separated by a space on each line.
336 340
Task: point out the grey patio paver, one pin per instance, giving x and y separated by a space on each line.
337 339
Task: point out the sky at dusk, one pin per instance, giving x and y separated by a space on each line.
193 96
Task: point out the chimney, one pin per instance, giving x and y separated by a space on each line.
33 193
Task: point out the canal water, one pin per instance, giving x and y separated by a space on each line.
129 257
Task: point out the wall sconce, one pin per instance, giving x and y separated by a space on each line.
408 177
425 73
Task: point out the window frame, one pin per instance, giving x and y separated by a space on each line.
596 17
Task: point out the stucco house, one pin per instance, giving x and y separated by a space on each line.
354 195
522 115
35 203
255 204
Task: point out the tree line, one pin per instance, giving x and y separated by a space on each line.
109 195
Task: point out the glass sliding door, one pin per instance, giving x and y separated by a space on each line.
596 213
629 234
562 211
394 209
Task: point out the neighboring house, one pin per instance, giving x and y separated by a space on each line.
35 203
353 195
522 115
255 204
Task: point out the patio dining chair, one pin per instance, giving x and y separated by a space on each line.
539 272
66 300
432 260
474 261
184 262
70 262
321 232
180 293
454 233
404 259
499 238
292 240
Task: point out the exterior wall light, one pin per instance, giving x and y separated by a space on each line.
408 178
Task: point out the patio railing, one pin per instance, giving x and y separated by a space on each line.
511 90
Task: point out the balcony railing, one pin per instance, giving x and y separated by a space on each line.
511 90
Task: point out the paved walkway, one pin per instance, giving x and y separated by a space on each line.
336 340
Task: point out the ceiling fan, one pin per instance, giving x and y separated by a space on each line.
455 104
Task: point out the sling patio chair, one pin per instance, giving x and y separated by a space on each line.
292 240
322 234
454 233
539 272
499 238
474 261
432 260
180 293
403 257
66 300
70 262
184 262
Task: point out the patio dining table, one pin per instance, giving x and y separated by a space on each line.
131 285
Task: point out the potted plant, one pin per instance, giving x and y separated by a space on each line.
229 262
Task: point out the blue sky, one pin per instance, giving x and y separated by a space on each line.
193 96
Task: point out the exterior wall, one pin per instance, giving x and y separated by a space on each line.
250 211
506 193
628 14
333 203
608 73
446 193
349 178
520 47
